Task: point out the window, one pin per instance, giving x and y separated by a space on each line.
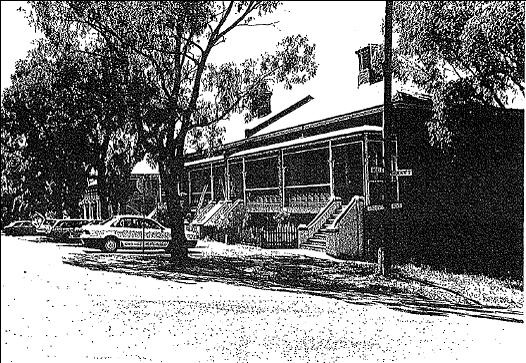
219 182
262 173
307 167
148 223
236 180
130 223
199 179
348 170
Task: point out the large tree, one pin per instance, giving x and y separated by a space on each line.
460 52
43 136
172 42
65 115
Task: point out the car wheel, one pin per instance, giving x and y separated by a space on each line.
110 244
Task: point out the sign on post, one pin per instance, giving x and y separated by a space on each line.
396 205
402 172
377 169
375 208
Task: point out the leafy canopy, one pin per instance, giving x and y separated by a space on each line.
460 52
171 43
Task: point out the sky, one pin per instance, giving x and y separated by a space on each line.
337 28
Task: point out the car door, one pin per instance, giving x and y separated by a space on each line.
25 228
129 232
57 231
155 235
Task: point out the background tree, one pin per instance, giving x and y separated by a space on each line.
13 204
114 103
171 42
462 53
68 112
44 135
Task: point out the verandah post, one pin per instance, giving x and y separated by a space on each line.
331 170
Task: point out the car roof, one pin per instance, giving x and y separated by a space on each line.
130 216
19 222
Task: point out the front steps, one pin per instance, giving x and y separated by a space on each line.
318 241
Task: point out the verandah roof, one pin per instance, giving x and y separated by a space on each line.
308 140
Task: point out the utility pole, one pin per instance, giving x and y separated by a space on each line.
384 253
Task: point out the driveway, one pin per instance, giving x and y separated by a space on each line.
56 312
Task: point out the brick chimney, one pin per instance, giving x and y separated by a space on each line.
260 105
370 59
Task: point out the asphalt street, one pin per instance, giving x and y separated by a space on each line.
54 312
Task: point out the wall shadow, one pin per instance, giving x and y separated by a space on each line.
349 282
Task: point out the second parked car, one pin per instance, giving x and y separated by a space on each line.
68 230
20 228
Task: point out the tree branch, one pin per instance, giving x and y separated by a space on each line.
261 24
250 7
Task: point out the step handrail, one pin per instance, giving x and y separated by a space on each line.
201 213
345 210
323 211
307 231
216 208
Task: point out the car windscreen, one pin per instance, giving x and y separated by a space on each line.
106 221
150 223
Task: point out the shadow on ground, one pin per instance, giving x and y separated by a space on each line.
346 281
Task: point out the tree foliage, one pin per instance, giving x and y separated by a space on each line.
39 131
462 53
171 43
65 115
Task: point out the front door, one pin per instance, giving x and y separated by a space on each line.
348 170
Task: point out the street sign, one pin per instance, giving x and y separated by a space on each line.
396 205
375 208
377 169
402 172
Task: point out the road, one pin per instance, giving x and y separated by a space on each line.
54 312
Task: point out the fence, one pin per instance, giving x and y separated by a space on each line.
279 236
264 236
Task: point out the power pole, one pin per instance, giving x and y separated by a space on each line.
384 253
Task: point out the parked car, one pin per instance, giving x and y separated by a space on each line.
130 232
68 230
20 228
46 226
94 221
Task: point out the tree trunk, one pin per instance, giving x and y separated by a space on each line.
102 190
171 170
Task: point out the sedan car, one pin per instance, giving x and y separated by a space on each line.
20 228
46 226
130 232
68 230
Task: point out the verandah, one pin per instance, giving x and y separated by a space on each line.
299 179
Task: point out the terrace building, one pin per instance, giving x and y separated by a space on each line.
323 172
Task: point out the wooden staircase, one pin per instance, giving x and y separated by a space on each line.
318 241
